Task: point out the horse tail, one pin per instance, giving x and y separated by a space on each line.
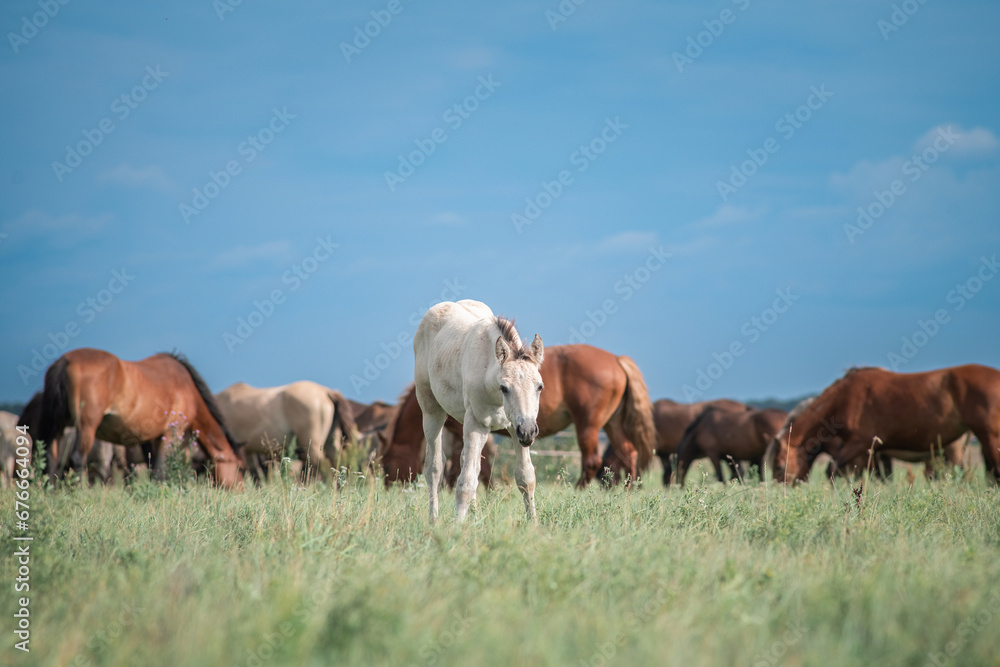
638 414
343 416
209 399
55 409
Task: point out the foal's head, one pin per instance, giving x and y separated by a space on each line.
520 381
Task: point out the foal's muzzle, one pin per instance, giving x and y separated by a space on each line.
526 433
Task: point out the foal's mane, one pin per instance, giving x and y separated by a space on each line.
509 334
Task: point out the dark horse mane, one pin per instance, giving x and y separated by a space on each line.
509 334
206 396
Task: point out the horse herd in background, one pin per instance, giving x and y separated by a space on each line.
474 377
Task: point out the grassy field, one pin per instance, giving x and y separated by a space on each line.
184 574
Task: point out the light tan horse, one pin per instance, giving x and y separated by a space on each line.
8 443
265 419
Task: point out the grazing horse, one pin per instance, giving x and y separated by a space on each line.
103 457
471 365
402 448
584 386
881 463
671 420
904 415
722 434
953 452
371 421
132 402
319 418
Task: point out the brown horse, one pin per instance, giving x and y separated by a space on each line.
103 458
953 454
722 434
672 419
402 448
131 402
584 386
371 421
908 416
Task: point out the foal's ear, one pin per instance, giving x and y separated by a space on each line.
502 350
537 351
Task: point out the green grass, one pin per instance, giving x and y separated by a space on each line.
283 575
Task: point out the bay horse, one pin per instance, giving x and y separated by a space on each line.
264 419
586 387
402 448
132 402
732 435
671 419
907 416
471 365
103 458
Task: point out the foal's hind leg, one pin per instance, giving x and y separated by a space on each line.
434 418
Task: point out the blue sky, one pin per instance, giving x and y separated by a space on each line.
168 168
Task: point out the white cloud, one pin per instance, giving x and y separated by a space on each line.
472 58
977 142
151 176
695 246
627 241
727 214
39 222
447 219
866 176
241 255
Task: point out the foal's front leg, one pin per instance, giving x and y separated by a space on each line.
524 475
475 435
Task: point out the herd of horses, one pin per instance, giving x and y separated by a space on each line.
474 378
